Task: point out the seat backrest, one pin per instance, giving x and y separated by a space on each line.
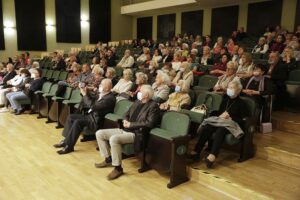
122 107
251 106
210 99
49 74
67 93
63 76
53 89
76 96
55 75
46 87
44 72
176 122
207 81
294 76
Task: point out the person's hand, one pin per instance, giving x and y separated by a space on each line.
27 85
83 91
163 106
225 115
217 88
126 124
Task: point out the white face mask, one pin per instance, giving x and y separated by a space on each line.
150 67
140 96
182 69
177 88
230 92
23 76
32 75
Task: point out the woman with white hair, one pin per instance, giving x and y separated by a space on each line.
261 47
35 65
97 78
231 114
160 87
246 67
144 56
185 74
124 83
185 50
179 99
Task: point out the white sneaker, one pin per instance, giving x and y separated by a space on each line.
3 110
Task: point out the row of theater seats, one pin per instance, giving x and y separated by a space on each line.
167 144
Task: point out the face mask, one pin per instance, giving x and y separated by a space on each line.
166 70
182 69
177 88
32 75
230 92
256 73
23 76
100 89
139 96
150 67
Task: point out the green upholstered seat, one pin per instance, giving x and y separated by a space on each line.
45 89
75 97
173 124
120 110
294 78
52 91
206 82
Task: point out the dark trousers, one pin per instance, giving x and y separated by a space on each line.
73 127
206 135
281 95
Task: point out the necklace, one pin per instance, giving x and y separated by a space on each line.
229 106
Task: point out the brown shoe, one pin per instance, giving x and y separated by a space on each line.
114 174
103 164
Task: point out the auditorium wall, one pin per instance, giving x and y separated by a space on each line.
121 27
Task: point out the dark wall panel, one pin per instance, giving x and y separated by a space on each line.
297 19
2 42
261 15
144 28
192 22
30 24
166 26
68 29
100 20
224 20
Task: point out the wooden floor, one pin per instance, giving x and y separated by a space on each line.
31 169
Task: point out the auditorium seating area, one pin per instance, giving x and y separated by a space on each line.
186 116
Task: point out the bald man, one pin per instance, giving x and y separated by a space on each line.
100 105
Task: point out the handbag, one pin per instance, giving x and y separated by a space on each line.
200 109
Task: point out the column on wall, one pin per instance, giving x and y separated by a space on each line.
207 21
10 34
288 14
85 24
243 14
178 23
154 27
50 25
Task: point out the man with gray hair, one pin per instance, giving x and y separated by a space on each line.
142 116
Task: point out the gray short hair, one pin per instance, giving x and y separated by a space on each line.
164 76
237 84
149 90
142 76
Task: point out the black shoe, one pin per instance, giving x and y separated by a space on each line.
60 145
209 164
65 150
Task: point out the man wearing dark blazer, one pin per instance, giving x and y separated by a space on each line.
11 73
167 57
143 114
99 105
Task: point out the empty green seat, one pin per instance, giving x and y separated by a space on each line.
66 95
206 82
63 76
74 99
49 74
55 75
173 124
44 72
52 91
120 110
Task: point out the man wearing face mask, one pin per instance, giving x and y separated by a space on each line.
142 116
100 105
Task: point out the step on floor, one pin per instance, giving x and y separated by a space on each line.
286 121
253 179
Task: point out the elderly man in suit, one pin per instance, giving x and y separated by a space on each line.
143 114
99 105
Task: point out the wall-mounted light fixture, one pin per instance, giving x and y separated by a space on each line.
9 27
50 25
84 21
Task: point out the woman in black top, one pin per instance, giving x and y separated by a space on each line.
259 88
232 107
